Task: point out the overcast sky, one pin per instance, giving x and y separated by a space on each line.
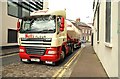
74 8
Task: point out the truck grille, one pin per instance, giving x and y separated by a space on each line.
35 50
36 41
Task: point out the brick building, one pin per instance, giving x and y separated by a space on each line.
86 30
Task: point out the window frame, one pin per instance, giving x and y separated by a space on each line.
8 9
108 22
98 22
20 5
8 40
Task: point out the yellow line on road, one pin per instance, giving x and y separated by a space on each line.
8 55
62 70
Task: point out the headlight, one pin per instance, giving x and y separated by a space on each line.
52 52
24 39
48 39
21 50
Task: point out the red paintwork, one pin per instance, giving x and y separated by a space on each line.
52 58
62 24
29 36
46 57
18 25
62 20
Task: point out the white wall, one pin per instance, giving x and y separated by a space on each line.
0 34
45 4
8 22
0 23
107 55
119 39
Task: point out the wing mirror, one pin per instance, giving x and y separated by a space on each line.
62 24
18 25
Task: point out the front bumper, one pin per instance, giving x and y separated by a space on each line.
52 58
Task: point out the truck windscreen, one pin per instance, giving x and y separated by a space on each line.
38 24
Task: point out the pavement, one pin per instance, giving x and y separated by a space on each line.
8 51
88 65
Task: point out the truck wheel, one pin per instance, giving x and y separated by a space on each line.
72 49
55 63
79 45
62 56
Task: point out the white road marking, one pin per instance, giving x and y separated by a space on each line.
8 55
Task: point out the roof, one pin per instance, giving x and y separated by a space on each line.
49 12
82 24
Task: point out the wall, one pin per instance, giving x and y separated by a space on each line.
0 34
0 23
45 4
85 34
119 39
107 55
8 22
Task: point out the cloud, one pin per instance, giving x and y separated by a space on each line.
74 8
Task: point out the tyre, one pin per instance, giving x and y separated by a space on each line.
62 56
74 46
71 50
80 45
55 63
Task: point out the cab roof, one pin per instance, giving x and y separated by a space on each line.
49 12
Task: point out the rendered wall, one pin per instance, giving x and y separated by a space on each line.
107 55
119 38
8 22
0 23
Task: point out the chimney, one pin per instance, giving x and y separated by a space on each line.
78 20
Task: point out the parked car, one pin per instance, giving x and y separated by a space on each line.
83 41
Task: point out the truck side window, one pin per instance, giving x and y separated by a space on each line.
58 23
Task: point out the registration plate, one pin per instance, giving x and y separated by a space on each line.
35 59
24 60
48 62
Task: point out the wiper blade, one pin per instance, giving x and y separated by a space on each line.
48 31
37 31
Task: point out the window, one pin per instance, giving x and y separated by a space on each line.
58 23
12 36
98 23
12 9
93 4
38 24
108 21
23 8
82 30
86 31
89 32
25 12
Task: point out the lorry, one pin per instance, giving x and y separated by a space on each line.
46 36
